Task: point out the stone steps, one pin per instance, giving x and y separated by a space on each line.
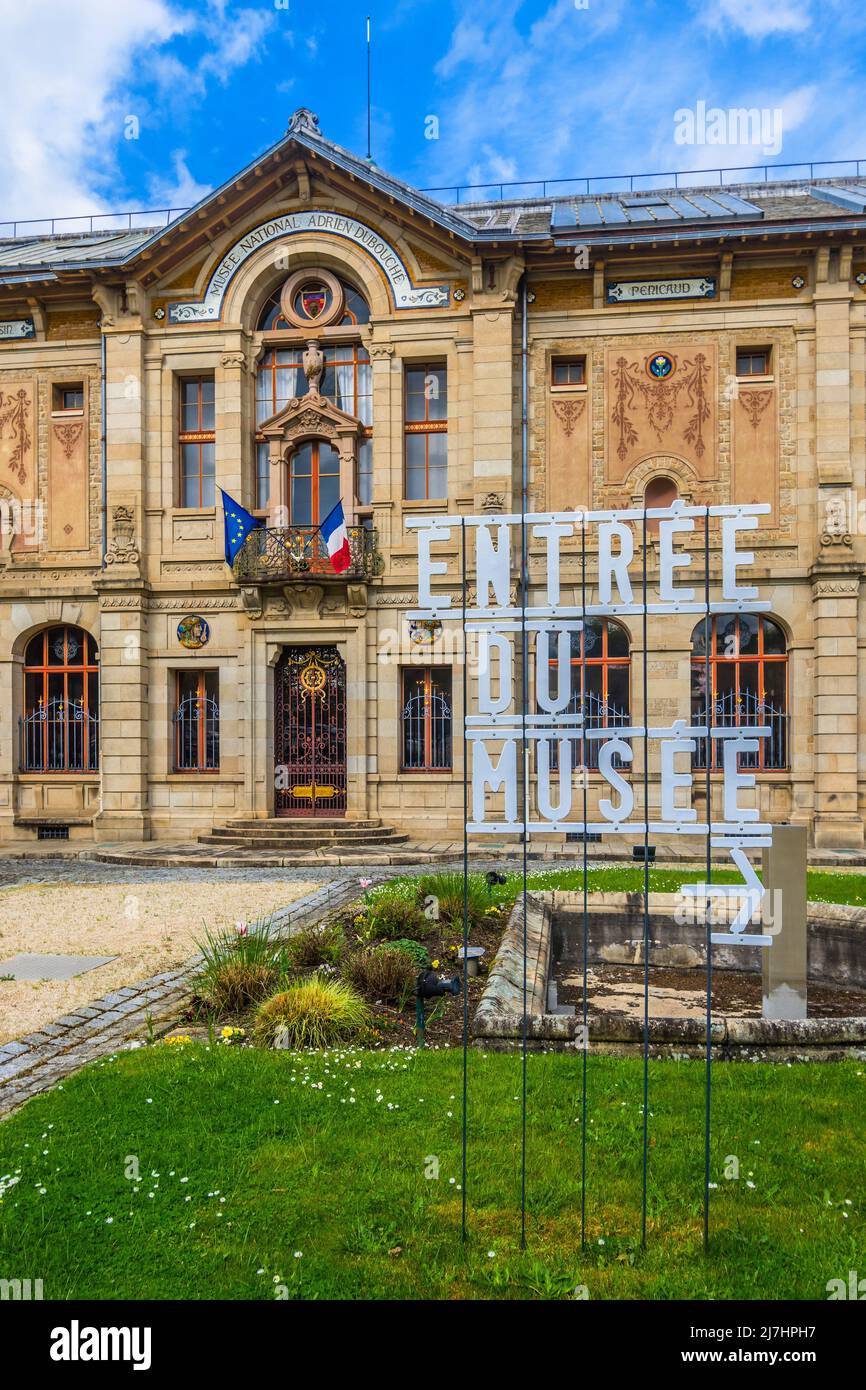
329 833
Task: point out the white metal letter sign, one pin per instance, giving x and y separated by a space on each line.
507 734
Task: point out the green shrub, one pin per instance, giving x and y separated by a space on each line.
382 973
415 949
312 1013
390 916
239 968
322 944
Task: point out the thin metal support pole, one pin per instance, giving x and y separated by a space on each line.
465 885
524 684
708 743
585 779
645 895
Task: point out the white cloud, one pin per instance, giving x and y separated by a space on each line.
71 75
235 42
60 72
183 191
758 18
589 92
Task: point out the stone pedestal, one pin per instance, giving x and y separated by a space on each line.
785 961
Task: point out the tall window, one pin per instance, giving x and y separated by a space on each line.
425 721
197 722
426 430
749 684
600 681
60 728
314 482
347 380
196 441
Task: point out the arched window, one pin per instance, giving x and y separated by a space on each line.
749 684
313 305
659 492
60 728
600 680
347 380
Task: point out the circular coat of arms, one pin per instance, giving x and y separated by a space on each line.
193 632
423 632
660 365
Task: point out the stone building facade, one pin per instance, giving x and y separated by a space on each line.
316 331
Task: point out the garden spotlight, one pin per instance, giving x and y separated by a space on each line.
431 984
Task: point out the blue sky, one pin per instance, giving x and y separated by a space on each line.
519 91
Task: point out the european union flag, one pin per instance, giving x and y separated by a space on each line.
238 524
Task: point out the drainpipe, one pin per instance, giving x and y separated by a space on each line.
524 428
103 444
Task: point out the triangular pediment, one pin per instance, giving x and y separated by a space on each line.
303 171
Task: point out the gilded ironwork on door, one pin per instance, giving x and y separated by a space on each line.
310 732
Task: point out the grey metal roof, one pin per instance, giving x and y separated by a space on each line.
666 209
55 252
650 214
628 209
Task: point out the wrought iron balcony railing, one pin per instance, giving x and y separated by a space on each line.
278 553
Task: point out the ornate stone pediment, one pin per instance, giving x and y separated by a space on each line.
310 417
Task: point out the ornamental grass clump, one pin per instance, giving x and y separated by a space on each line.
312 1013
240 967
442 893
392 912
323 944
383 973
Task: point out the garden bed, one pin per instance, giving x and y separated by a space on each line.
352 977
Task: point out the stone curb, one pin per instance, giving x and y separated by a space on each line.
499 1020
36 1062
502 999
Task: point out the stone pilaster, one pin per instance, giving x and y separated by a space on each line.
835 596
124 814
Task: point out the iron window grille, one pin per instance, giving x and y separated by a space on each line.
197 722
426 721
59 730
749 686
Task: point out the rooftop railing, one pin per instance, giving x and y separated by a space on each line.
152 219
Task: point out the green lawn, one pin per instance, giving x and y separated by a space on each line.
326 1155
828 886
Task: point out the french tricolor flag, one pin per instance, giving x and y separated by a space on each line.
336 537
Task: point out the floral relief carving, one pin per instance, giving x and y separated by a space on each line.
14 412
122 549
568 413
68 434
755 403
659 399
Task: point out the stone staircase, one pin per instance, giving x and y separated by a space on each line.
295 835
